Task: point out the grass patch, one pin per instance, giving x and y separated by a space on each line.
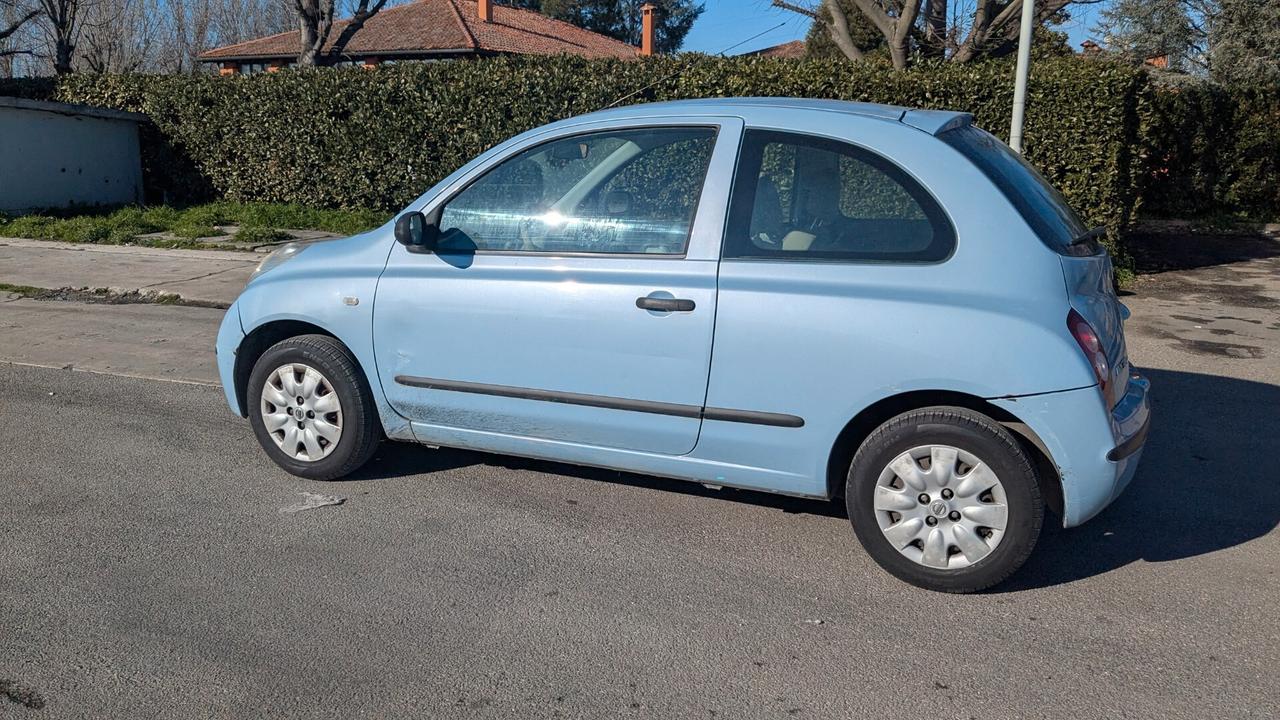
191 230
259 223
21 290
260 235
298 217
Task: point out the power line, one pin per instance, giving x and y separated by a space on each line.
753 37
681 69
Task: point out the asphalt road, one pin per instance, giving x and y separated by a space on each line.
146 569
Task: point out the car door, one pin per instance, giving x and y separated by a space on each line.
833 265
572 293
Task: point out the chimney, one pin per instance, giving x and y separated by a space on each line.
484 9
646 32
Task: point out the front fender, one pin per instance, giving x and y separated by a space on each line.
227 347
330 286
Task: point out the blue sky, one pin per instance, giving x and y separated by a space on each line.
728 22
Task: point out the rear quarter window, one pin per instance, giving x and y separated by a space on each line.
1037 201
804 198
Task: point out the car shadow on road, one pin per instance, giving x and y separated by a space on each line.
1162 251
403 459
395 459
1209 481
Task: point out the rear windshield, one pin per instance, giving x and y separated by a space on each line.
1043 207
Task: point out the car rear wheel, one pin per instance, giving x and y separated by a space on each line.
945 498
311 408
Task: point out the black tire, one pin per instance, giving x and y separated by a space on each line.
361 429
969 431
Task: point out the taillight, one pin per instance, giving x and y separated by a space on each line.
1088 341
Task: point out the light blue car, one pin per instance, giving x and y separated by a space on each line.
805 297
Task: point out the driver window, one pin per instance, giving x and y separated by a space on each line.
629 191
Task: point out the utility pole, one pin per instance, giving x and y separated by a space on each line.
1020 82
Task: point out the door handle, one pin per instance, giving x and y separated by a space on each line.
664 304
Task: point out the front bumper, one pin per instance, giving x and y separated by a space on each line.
1096 452
230 335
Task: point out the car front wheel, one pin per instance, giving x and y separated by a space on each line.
311 408
945 498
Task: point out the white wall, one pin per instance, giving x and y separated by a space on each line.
58 159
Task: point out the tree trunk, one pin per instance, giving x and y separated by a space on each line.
307 52
839 29
315 19
935 29
899 52
362 13
896 28
63 49
63 17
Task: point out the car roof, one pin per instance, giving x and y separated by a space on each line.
933 122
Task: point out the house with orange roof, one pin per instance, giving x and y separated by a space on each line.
436 30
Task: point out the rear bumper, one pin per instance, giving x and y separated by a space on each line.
1096 452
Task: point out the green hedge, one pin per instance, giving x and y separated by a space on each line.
377 138
1213 150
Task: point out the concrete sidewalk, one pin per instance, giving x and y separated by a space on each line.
209 276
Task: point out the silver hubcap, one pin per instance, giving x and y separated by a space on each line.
301 412
941 506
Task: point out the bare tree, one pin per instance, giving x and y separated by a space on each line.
13 16
194 26
836 21
239 20
62 30
315 18
958 32
121 37
996 23
187 35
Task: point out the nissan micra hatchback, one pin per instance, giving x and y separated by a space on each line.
794 296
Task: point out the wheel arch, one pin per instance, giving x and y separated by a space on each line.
258 341
856 431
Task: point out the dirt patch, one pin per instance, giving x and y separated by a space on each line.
107 296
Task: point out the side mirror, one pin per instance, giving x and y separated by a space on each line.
417 232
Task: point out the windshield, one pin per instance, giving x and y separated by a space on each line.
1042 206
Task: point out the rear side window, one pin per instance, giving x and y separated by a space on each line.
799 197
1039 203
